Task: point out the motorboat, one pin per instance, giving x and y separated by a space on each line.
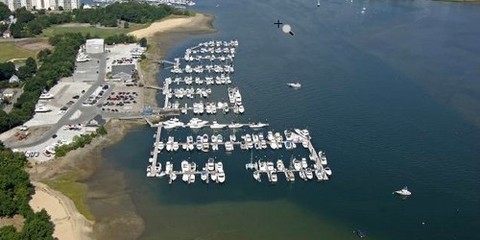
256 176
211 164
304 163
233 138
359 233
168 167
258 125
309 173
213 176
216 125
328 171
280 165
185 171
221 177
196 123
323 158
204 175
403 192
274 177
172 176
319 174
297 165
303 175
198 144
191 178
303 132
294 85
160 146
289 175
228 146
288 145
235 125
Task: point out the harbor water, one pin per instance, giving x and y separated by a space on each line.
390 91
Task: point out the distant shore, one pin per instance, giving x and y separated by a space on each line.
74 170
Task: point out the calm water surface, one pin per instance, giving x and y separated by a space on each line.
391 95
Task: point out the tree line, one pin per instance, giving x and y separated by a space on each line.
15 193
54 65
29 24
79 142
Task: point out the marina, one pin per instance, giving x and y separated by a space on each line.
207 68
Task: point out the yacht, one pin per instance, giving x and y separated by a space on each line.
295 85
228 146
204 175
221 177
309 173
196 123
199 143
160 146
303 175
216 125
280 165
274 177
235 125
328 171
256 176
319 174
304 163
297 165
211 164
189 144
303 132
233 138
403 192
323 158
241 109
288 145
258 125
172 176
185 170
289 175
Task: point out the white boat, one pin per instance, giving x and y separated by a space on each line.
221 177
233 138
274 177
319 174
228 146
241 109
45 96
323 158
191 178
210 164
216 125
235 125
173 176
185 170
403 192
289 175
304 163
280 165
42 109
303 133
258 125
328 171
219 167
204 175
213 176
256 176
309 173
297 165
295 85
303 175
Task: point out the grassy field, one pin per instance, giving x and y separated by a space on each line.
94 31
11 50
77 192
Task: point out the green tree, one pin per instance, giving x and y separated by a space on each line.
31 65
6 70
143 42
23 15
38 226
43 54
125 25
4 11
9 233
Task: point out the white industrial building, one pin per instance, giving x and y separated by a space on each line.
42 4
95 46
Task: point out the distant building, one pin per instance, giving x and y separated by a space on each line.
42 4
123 72
95 46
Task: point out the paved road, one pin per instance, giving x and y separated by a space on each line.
88 112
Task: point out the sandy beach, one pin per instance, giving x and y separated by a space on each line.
69 223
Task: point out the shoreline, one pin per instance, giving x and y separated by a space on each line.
53 179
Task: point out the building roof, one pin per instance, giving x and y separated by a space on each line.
95 41
125 68
14 78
